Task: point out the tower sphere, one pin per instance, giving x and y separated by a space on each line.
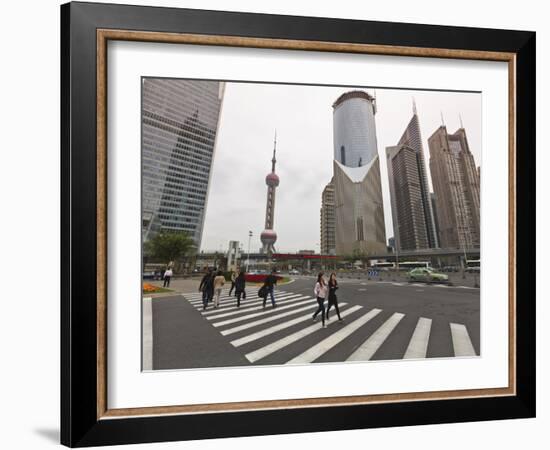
272 179
268 237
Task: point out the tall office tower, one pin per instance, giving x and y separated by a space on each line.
456 188
436 220
180 120
328 223
412 214
359 210
268 236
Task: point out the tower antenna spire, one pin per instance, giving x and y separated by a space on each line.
274 160
460 118
442 120
414 107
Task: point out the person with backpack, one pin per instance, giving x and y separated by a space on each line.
269 285
332 299
207 288
240 285
219 281
320 292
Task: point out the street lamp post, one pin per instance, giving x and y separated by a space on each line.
248 257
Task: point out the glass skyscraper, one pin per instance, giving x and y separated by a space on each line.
412 213
358 208
179 126
354 129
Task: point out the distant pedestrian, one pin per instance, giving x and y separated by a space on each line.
332 299
167 276
233 278
240 286
320 292
269 284
219 281
207 288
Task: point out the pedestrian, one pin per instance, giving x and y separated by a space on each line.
219 281
332 299
240 285
233 278
207 288
320 292
167 275
269 284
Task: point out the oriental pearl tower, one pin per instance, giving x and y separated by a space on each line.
268 236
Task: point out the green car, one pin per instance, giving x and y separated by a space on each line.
427 275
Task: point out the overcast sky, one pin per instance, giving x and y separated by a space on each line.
302 116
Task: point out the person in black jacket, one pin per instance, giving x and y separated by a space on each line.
332 299
240 285
207 287
269 283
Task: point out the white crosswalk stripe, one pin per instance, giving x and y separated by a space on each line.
254 322
326 344
227 303
260 353
216 314
265 311
418 345
270 330
462 344
368 348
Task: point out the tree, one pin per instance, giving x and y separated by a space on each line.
169 246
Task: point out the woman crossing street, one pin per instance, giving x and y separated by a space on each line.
332 299
320 292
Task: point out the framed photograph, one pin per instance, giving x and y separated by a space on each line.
277 224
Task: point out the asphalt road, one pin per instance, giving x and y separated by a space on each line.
382 321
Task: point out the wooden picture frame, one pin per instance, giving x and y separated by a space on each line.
86 418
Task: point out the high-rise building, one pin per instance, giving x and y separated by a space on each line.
412 214
328 222
456 187
269 236
436 220
359 211
179 127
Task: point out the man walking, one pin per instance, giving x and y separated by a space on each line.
207 288
233 278
270 282
167 276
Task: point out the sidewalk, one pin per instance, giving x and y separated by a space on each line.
177 285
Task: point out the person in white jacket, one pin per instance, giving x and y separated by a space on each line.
320 292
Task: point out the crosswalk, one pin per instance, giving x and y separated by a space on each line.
287 334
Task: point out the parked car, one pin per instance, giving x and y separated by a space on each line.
472 269
293 272
427 275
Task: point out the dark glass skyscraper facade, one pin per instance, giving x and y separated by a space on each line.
412 214
179 128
